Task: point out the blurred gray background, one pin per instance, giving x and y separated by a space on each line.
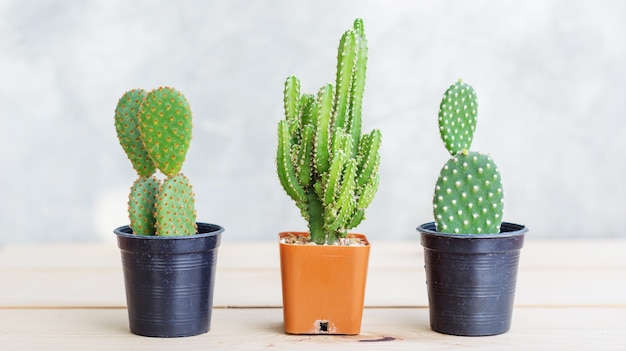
550 78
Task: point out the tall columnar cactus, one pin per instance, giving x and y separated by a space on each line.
323 161
154 130
468 196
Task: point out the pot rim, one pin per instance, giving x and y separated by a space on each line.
204 230
507 229
510 238
301 233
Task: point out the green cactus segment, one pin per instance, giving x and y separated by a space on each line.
284 165
127 127
314 215
358 27
457 117
166 124
323 131
291 103
332 179
305 155
323 162
358 85
141 205
468 196
175 209
346 58
338 212
308 110
357 218
369 157
367 193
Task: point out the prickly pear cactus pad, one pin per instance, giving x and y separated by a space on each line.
127 127
457 117
165 124
468 196
141 205
175 209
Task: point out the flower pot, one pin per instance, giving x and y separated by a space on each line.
323 286
471 279
169 281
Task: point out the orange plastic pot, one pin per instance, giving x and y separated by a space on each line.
323 286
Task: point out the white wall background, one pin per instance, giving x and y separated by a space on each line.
550 77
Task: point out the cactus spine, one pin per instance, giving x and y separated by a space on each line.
468 195
323 162
154 130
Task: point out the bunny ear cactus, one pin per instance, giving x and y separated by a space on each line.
127 127
154 130
165 124
142 201
324 163
457 117
468 196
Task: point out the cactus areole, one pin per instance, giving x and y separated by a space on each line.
468 196
154 129
323 161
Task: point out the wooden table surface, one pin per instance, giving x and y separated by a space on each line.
571 295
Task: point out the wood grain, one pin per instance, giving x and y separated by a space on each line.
571 295
256 329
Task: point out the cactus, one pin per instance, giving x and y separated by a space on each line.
468 196
127 127
323 161
175 209
165 125
141 204
154 130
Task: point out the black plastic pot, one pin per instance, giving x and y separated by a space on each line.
471 279
169 281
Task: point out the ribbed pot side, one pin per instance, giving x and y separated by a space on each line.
471 279
169 281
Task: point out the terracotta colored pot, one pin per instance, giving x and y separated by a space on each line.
323 286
